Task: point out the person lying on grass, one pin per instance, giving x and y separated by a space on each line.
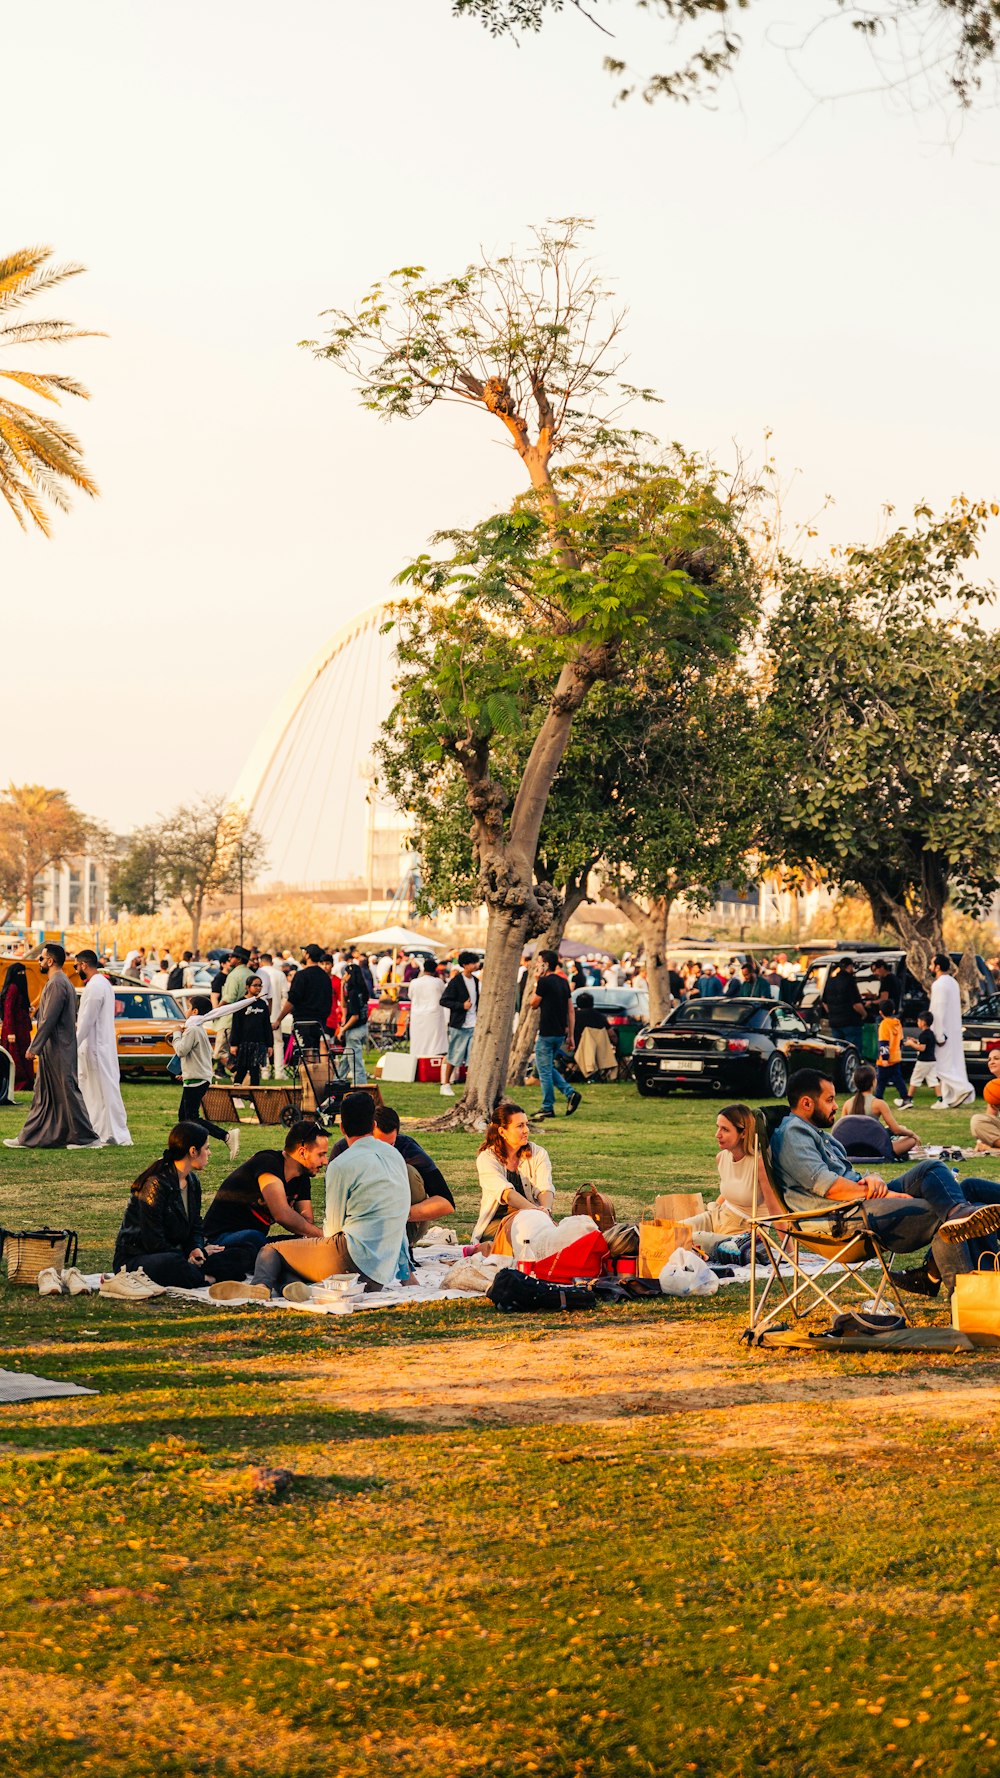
514 1173
926 1205
867 1128
729 1214
162 1230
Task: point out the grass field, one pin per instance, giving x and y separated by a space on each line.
617 1543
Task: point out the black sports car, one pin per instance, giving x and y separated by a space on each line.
980 1034
743 1047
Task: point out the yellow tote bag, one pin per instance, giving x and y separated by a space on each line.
975 1303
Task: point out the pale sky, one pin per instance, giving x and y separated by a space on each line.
226 169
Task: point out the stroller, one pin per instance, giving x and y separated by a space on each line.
314 1056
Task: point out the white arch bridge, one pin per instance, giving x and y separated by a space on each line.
307 784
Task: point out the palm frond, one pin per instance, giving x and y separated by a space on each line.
26 274
45 333
39 443
46 383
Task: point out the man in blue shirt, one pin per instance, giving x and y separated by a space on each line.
926 1205
367 1200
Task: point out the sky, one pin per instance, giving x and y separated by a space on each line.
814 282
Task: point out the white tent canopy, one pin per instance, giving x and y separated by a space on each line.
399 938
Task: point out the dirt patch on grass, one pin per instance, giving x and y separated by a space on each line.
723 1394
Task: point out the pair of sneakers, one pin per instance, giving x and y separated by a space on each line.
68 1281
129 1287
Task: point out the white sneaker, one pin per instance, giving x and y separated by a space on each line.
233 1143
11 1142
49 1282
97 1143
131 1287
448 1091
297 1292
939 1105
74 1281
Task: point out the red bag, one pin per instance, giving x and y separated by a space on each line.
581 1259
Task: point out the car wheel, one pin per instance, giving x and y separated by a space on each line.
777 1076
646 1090
846 1070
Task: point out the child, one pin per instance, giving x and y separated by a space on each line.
924 1072
890 1056
250 1035
986 1124
193 1045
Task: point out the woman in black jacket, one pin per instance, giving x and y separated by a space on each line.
162 1229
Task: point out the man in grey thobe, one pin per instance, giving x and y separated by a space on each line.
58 1116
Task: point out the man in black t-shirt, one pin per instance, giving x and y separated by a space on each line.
555 1032
310 999
890 989
268 1188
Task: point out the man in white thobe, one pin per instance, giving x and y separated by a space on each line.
98 1054
949 1053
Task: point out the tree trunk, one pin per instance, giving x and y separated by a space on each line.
527 1025
194 912
507 932
651 924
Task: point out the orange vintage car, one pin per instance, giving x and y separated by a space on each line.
144 1018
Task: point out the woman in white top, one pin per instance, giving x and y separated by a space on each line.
514 1173
729 1213
428 1018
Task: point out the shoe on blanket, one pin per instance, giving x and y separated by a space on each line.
75 1282
130 1287
437 1236
49 1282
233 1290
297 1292
971 1222
918 1280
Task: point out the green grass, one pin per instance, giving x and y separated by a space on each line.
632 1546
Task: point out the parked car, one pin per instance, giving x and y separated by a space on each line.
744 1047
626 1010
807 994
980 1034
144 1020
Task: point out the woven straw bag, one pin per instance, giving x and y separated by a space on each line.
29 1251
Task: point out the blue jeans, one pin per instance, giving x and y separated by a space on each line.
351 1065
250 1238
934 1192
848 1034
546 1051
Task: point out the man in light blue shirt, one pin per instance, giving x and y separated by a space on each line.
926 1205
368 1199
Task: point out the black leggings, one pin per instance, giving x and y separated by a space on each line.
190 1108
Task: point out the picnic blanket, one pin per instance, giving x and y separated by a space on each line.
22 1386
434 1267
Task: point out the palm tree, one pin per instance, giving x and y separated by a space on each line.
38 458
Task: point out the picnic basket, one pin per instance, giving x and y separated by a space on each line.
29 1251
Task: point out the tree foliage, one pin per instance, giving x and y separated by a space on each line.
199 851
885 721
39 459
38 827
929 47
137 879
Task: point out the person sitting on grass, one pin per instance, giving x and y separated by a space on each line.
270 1188
162 1230
986 1124
514 1173
367 1201
729 1213
927 1205
866 1127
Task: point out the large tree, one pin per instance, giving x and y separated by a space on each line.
39 459
885 724
605 555
201 850
137 879
928 48
38 827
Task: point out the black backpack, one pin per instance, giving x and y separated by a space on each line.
517 1293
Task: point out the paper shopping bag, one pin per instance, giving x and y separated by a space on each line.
657 1241
975 1303
675 1206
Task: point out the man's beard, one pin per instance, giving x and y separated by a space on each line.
820 1122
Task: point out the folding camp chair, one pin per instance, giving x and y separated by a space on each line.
836 1234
